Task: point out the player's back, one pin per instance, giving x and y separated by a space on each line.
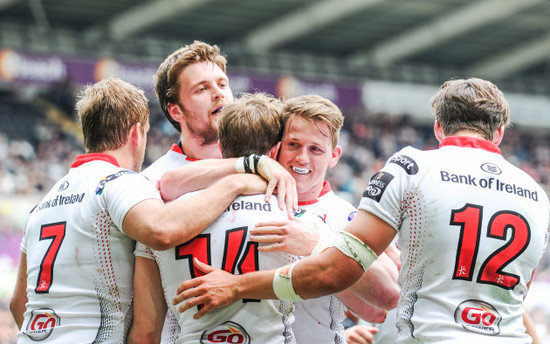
225 244
79 264
472 227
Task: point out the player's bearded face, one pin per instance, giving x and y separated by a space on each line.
205 129
204 91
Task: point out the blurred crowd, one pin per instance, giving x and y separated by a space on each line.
38 153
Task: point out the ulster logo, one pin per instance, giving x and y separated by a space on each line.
491 168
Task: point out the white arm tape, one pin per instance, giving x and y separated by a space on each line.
323 243
282 285
260 170
239 165
354 248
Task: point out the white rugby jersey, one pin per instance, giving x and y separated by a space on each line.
174 158
472 228
225 244
79 261
320 320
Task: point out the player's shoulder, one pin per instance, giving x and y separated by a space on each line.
409 160
166 162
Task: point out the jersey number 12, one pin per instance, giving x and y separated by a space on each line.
492 270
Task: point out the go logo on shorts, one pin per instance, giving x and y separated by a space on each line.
228 332
42 323
478 316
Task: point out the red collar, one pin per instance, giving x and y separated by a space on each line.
177 148
326 189
470 142
84 158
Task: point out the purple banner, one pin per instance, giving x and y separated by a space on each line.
21 67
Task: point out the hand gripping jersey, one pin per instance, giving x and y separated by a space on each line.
79 261
319 320
472 228
174 158
225 244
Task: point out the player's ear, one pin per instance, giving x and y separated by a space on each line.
175 111
438 131
136 134
274 152
499 134
336 153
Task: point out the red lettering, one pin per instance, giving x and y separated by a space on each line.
476 316
218 336
39 323
225 336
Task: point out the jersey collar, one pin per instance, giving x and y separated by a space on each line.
470 142
326 189
177 148
84 158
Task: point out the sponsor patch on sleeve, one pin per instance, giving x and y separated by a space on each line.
101 186
407 163
377 185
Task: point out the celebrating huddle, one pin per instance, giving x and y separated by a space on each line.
235 236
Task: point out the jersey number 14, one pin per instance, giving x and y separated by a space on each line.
235 243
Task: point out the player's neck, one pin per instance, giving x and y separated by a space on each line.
124 158
194 149
310 195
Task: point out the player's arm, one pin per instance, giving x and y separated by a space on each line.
149 305
378 285
162 226
361 308
19 297
528 322
530 328
201 174
196 176
314 276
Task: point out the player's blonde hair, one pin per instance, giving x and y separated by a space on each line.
252 124
166 80
470 104
108 109
316 109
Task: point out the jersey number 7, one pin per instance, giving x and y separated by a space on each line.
492 270
55 232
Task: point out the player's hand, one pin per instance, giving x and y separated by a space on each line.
290 236
280 182
360 334
211 291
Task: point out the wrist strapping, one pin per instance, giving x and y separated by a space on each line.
249 164
282 285
354 248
